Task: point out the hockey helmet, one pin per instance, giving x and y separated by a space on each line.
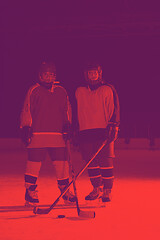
47 72
93 73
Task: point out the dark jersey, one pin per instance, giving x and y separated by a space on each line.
46 111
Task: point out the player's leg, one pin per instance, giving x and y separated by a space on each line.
106 157
33 165
60 163
87 151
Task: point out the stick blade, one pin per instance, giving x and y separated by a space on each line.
37 210
87 214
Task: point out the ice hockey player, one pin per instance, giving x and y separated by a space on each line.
46 112
98 119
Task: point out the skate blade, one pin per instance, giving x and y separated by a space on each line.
97 202
107 199
68 203
29 204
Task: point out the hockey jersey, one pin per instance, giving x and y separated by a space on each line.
46 111
94 108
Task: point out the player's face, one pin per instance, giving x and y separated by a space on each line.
48 77
93 75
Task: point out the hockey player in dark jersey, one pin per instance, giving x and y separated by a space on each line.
98 119
45 114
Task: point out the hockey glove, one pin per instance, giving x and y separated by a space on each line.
67 131
26 135
112 132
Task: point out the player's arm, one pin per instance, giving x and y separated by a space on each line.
26 121
115 118
67 126
113 115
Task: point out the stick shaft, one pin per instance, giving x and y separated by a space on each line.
73 175
77 175
84 168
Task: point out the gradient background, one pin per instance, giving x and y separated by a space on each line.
124 36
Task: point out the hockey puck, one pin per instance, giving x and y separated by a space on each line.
61 216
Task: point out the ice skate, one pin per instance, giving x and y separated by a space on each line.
95 194
69 197
106 196
31 196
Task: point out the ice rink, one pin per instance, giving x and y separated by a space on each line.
133 212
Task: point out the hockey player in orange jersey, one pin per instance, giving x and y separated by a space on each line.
98 119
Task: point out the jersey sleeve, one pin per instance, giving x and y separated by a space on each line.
69 110
115 119
75 122
25 116
109 104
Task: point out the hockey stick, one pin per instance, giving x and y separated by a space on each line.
37 210
83 214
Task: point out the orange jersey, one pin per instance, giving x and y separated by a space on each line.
94 108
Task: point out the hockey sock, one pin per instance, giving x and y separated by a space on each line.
107 177
95 176
32 172
62 169
62 183
69 196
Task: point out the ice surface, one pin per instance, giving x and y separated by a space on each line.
133 212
